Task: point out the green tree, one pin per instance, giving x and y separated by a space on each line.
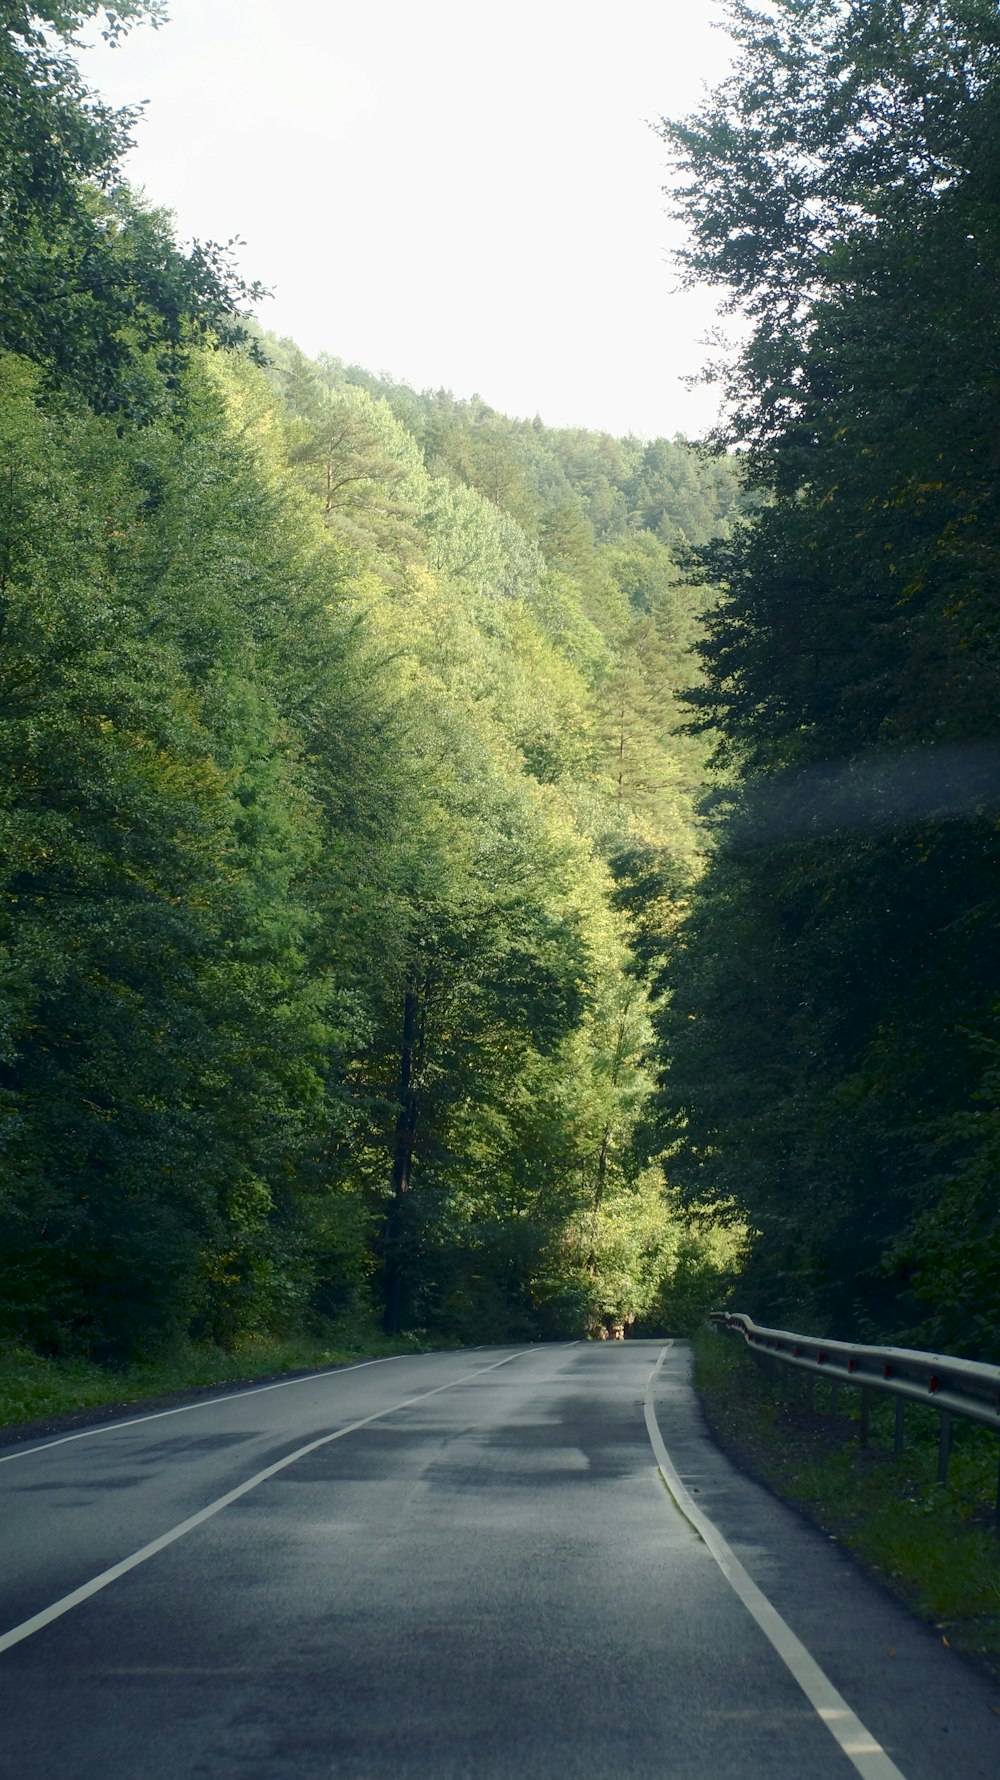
836 981
319 998
93 287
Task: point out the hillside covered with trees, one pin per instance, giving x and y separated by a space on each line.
484 879
339 728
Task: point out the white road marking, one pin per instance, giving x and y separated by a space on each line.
858 1744
155 1415
18 1633
251 1390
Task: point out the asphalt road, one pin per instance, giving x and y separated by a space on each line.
486 1577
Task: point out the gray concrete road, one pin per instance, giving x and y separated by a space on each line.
474 1569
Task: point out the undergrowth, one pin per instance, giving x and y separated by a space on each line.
34 1388
935 1545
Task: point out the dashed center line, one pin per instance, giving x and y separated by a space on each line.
66 1603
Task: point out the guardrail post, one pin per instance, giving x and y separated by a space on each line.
834 1398
944 1447
866 1411
900 1426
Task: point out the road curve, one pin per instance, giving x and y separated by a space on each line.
447 1567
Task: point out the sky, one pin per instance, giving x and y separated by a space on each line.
467 197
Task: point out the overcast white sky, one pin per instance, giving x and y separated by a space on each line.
462 195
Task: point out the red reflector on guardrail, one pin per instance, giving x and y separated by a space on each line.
935 1384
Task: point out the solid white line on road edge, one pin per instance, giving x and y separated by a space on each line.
858 1744
156 1415
35 1624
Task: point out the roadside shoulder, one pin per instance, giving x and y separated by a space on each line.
934 1548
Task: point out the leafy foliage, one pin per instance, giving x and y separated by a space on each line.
92 285
834 992
328 713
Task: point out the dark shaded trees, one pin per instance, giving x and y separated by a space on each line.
836 990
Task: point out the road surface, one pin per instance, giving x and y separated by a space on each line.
462 1566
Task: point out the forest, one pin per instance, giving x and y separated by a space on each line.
832 1032
338 721
487 880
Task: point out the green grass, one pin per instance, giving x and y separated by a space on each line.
935 1545
33 1388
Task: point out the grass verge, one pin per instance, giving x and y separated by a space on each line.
934 1545
34 1389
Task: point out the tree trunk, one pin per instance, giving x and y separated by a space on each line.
602 1168
402 1163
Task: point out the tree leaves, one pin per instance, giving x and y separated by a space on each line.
317 991
831 987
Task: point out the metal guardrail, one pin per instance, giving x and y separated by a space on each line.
966 1388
